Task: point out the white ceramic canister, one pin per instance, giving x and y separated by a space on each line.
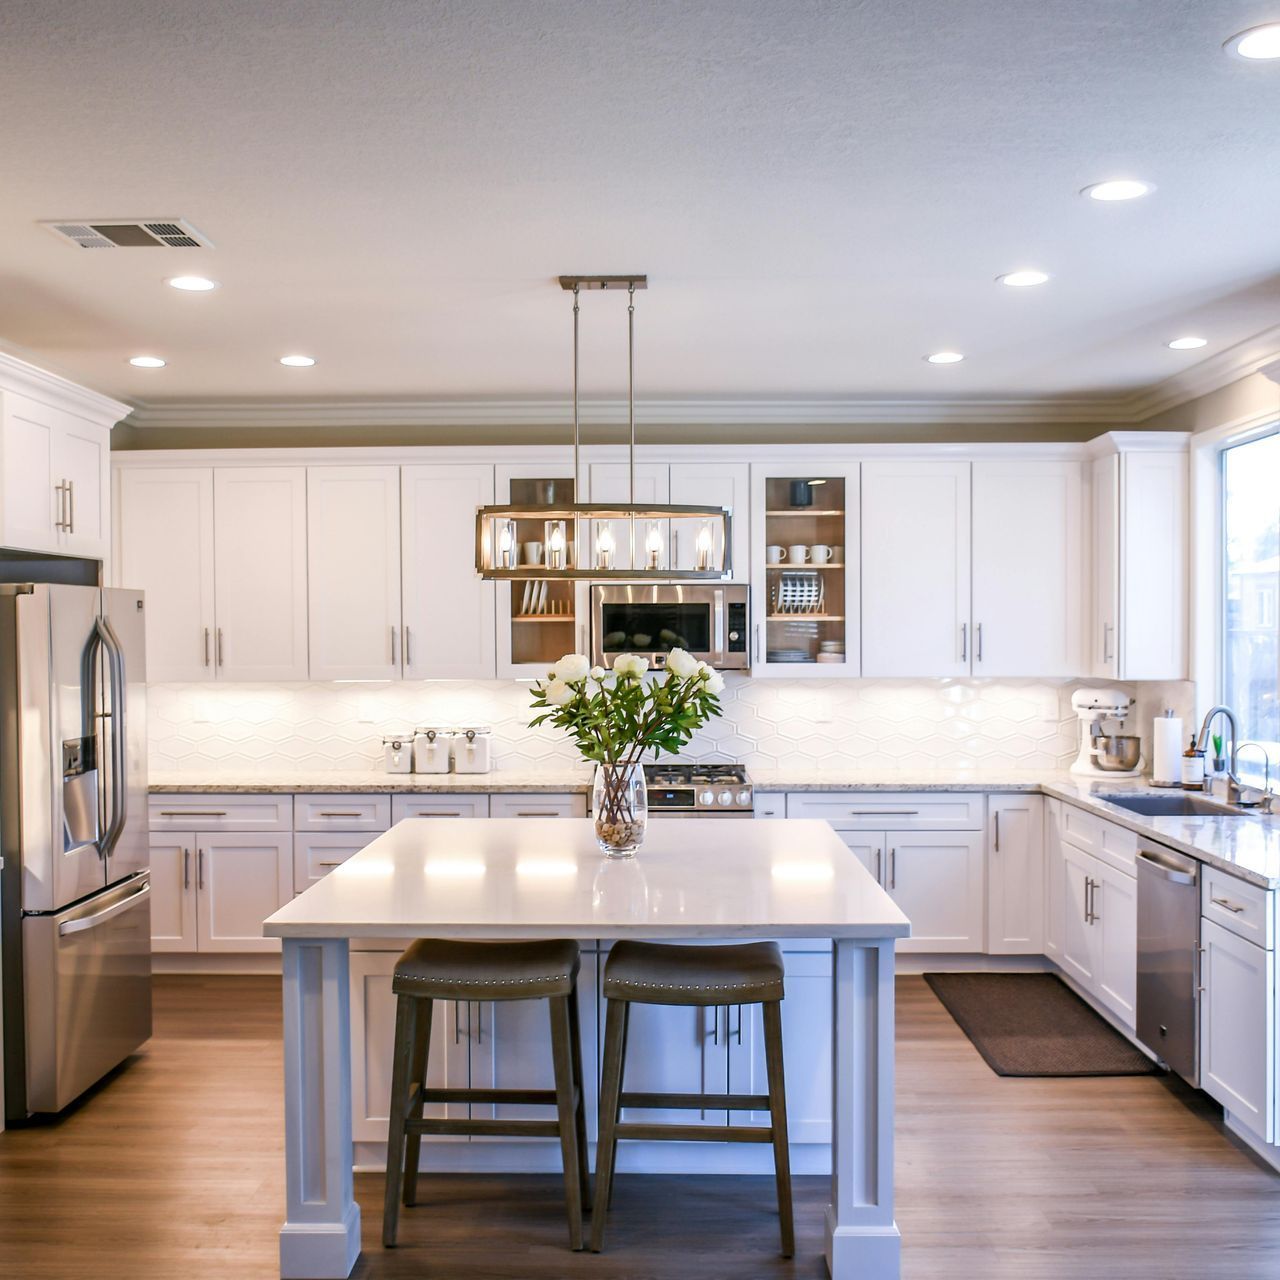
397 753
431 749
472 749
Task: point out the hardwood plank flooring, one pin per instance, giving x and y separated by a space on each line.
172 1170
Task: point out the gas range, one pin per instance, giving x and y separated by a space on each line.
699 790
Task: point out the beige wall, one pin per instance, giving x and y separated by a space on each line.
1248 398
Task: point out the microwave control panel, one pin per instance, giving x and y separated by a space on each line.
737 629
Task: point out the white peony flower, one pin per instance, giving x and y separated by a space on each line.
630 664
598 674
573 666
705 671
558 693
682 664
715 683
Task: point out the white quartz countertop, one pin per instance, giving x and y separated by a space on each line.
504 877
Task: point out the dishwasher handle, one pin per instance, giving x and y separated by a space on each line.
1165 866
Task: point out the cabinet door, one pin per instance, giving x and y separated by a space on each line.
1153 566
353 572
805 602
448 609
437 805
1079 935
373 1031
316 853
869 847
1237 1028
30 508
712 484
240 881
936 878
916 569
1055 881
611 482
1028 588
1103 648
165 549
1115 910
81 462
1015 875
173 894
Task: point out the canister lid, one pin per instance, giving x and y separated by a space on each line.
473 729
396 740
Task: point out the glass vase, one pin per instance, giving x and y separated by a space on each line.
621 809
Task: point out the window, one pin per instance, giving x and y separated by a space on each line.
1251 596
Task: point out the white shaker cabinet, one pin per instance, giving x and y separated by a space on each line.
164 547
241 879
447 610
260 573
353 572
1103 647
1055 872
1028 562
1015 875
173 901
936 877
712 484
916 567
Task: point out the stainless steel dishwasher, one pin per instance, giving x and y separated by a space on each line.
1168 958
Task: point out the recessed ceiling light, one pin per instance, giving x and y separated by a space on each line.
192 284
1258 44
1023 279
945 357
1187 344
298 362
1119 189
146 362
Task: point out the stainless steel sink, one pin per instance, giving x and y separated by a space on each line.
1175 806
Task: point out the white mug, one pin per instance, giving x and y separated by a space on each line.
820 553
774 555
531 552
798 554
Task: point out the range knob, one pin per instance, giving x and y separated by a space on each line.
734 635
744 796
725 797
706 797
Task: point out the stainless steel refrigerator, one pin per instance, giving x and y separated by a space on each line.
75 911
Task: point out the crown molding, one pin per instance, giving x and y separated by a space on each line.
28 379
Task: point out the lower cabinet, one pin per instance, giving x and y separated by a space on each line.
1015 875
211 892
1054 880
1238 1027
316 853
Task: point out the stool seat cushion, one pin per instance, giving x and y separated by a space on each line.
660 973
444 969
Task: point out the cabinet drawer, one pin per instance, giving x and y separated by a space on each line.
1107 841
537 806
770 806
341 813
885 810
439 805
315 854
1243 908
221 813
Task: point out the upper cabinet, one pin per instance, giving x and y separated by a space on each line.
916 568
54 463
805 537
1140 557
712 484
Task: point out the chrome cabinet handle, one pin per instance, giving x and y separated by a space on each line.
878 852
1226 902
193 813
393 645
335 863
408 661
206 646
978 634
883 813
456 1031
71 506
893 868
186 868
757 642
60 522
675 548
439 813
997 817
479 1022
219 646
1106 642
199 868
964 642
339 813
537 813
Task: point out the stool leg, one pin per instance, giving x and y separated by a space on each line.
417 1076
406 1016
580 1110
610 1094
562 1056
778 1121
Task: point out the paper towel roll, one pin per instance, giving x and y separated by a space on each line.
1166 750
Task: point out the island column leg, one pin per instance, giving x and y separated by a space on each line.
862 1237
320 1239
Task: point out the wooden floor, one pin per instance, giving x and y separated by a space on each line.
172 1171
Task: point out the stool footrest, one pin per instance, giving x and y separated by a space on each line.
697 1101
486 1128
522 1097
694 1132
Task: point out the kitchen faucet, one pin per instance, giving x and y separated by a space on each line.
1235 788
1268 796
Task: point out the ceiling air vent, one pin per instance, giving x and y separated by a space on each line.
128 233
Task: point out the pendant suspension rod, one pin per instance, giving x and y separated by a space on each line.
577 489
631 381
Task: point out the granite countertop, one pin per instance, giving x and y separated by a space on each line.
371 782
901 779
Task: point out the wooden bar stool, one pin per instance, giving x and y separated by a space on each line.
648 973
443 970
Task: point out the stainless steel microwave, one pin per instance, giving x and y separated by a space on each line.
708 619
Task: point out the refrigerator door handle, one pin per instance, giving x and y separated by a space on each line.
101 917
119 804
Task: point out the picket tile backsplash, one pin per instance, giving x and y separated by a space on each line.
205 730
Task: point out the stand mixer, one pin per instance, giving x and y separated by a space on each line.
1102 753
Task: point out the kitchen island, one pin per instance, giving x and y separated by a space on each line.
508 878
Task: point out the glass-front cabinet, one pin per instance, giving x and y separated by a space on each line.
805 559
539 619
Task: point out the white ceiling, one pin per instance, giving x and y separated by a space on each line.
820 192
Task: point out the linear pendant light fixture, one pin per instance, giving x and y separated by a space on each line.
582 539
